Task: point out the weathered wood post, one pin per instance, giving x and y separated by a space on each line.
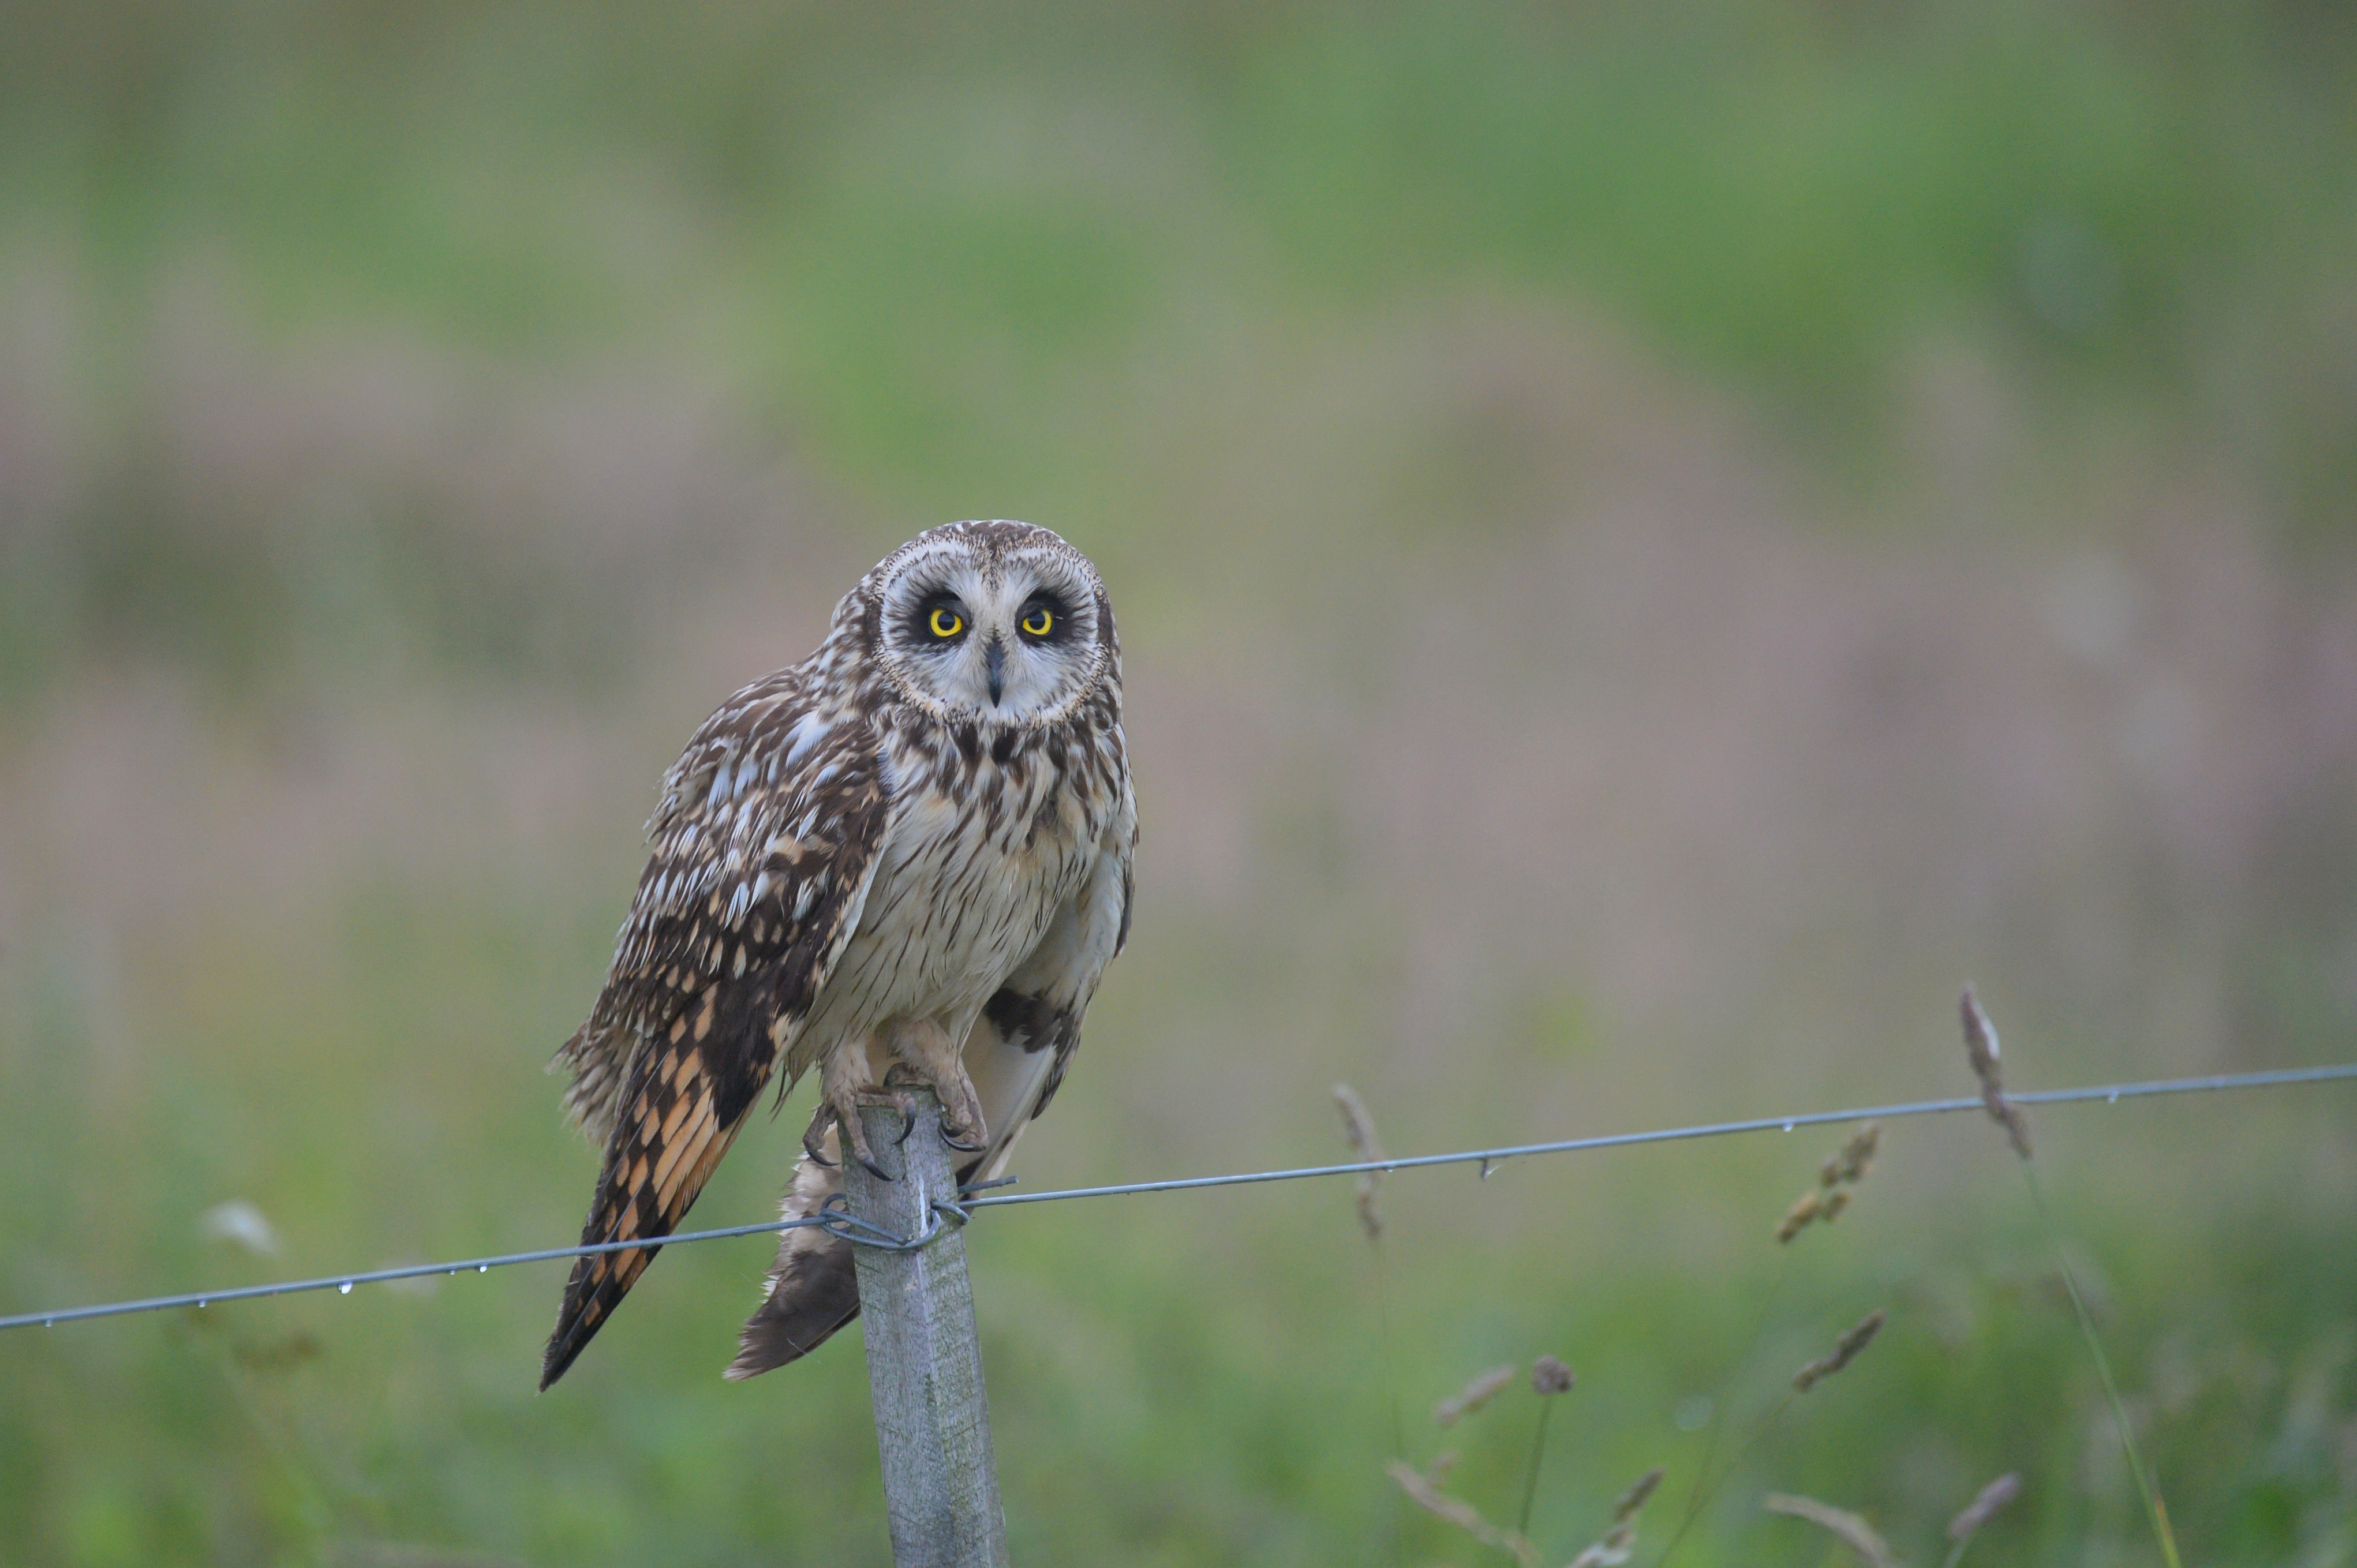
924 1362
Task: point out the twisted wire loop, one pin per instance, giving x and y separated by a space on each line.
835 1218
839 1222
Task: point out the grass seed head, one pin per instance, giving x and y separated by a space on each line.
1640 1492
1549 1376
1620 1542
1845 1351
1985 1506
1849 1166
1424 1492
1475 1393
1358 1128
1842 1169
1981 1049
1798 1217
1618 1545
1854 1531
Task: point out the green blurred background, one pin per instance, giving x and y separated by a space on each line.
1652 543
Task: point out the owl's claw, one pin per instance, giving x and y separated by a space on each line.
849 1134
815 1135
856 1136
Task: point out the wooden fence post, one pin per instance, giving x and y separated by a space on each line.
924 1362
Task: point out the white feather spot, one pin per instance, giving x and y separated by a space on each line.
808 731
805 899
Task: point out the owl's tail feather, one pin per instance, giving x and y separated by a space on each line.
813 1289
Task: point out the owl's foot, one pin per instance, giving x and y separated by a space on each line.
927 1054
842 1088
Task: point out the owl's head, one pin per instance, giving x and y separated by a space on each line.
999 623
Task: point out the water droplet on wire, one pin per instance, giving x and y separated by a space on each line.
345 1288
1788 1126
482 1268
2112 1098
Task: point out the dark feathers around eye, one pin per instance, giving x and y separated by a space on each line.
1060 619
919 627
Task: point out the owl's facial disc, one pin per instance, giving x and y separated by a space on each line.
1010 640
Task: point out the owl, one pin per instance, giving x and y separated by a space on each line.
905 860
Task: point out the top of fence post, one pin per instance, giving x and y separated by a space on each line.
924 1362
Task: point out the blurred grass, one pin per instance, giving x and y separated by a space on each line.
948 251
410 416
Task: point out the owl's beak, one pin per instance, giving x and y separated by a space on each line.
994 655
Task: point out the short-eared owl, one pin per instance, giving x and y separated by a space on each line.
910 850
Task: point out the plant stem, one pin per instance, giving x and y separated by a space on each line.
2153 1505
1531 1482
1695 1496
1391 1379
1726 1475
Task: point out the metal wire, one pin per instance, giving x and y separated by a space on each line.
840 1223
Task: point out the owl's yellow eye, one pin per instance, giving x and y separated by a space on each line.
1039 622
946 622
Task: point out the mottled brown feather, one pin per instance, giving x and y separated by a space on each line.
764 846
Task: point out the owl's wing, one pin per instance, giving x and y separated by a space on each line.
765 846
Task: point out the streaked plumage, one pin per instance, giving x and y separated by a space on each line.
911 849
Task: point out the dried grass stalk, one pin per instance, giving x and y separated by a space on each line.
1480 1390
1991 1502
1640 1492
1422 1491
1620 1542
1855 1532
1981 1049
1845 1351
1359 1127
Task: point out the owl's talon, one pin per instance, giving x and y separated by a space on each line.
856 1136
815 1135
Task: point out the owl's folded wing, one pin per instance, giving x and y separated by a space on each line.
765 846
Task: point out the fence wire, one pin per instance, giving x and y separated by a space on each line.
1488 1159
